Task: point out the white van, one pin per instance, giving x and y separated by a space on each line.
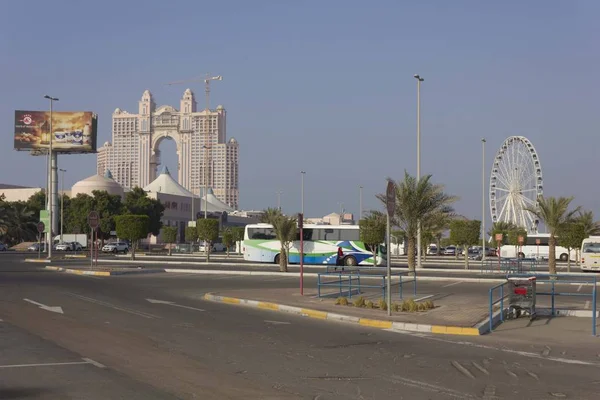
590 254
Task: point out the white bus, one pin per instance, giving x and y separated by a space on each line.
538 251
590 254
320 245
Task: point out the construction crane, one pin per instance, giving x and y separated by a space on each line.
207 79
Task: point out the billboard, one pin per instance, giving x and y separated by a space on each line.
72 131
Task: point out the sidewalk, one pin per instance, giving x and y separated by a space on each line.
462 315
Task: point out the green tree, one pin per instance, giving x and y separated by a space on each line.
133 228
590 227
137 202
228 239
37 202
286 230
555 213
169 235
191 236
17 222
76 217
108 206
513 239
372 233
238 235
433 227
503 228
571 236
208 232
465 233
416 201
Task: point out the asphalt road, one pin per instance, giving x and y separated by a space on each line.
130 347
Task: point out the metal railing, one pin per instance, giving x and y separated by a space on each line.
350 279
552 280
509 265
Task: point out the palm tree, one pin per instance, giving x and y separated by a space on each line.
286 229
432 228
555 214
22 223
586 219
418 201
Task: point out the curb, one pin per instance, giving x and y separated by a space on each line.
75 256
314 275
99 273
38 260
480 329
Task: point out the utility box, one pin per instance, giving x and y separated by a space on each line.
521 297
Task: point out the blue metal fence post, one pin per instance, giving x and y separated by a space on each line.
400 282
415 284
383 287
594 308
319 285
350 284
502 303
552 297
340 277
491 310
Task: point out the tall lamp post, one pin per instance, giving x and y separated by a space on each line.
360 208
62 203
302 173
302 192
208 131
419 80
206 148
279 193
483 199
51 170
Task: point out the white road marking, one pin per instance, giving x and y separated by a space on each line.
170 303
424 297
587 304
579 288
452 284
94 363
430 387
44 364
480 368
277 322
501 349
103 303
56 309
462 369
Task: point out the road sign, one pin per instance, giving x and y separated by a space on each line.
41 226
521 240
390 198
93 219
538 241
498 237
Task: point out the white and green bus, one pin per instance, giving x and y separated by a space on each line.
320 245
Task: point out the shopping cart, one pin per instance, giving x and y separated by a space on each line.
521 297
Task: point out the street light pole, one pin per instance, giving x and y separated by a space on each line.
419 80
62 203
483 199
51 160
302 192
207 81
279 200
360 208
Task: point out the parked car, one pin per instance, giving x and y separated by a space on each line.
450 251
3 247
116 247
68 246
36 247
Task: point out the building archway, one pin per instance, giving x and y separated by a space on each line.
156 156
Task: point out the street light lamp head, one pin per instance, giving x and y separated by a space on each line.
51 98
483 140
418 77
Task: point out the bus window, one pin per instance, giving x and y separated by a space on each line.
350 235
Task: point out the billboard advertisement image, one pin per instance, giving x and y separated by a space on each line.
72 131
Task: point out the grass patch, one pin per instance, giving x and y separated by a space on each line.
341 301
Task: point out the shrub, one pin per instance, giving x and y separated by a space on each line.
429 305
341 301
421 307
395 307
359 302
412 306
382 304
369 304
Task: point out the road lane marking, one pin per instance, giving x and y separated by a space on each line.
462 370
55 309
481 368
587 304
171 303
277 322
103 303
452 284
579 288
424 297
94 363
45 364
429 387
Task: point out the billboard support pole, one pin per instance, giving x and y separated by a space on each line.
51 171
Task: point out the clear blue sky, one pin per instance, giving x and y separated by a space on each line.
325 87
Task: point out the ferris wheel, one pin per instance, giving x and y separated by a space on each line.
516 183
